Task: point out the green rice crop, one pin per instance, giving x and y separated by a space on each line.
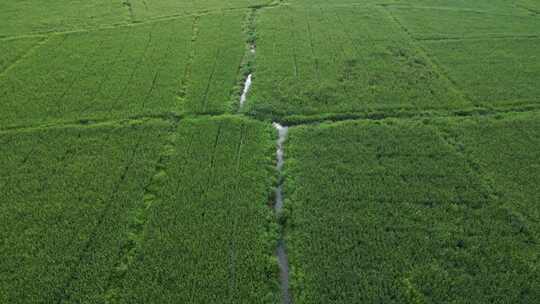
492 72
34 16
209 237
217 54
31 16
531 6
506 151
445 23
66 199
115 206
171 66
143 9
394 212
13 50
131 174
501 6
340 60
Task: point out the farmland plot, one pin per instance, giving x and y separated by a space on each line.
67 197
478 5
444 23
209 236
340 60
492 72
507 151
531 6
149 69
35 16
218 52
144 9
13 50
391 212
500 6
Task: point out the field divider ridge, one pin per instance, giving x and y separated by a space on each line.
453 9
139 217
25 55
289 120
129 5
89 122
211 77
478 38
298 120
312 47
453 142
532 11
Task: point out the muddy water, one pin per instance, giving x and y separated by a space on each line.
247 82
247 85
281 252
282 136
283 263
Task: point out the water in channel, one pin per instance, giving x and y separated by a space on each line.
278 207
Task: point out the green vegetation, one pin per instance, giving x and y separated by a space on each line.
67 194
463 5
531 6
218 50
138 213
171 66
131 172
392 211
506 150
442 23
492 72
35 16
13 50
143 9
209 236
340 60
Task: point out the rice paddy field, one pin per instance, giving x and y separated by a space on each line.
270 151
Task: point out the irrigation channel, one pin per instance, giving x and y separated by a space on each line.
281 252
247 85
247 81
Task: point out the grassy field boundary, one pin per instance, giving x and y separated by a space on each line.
42 40
140 216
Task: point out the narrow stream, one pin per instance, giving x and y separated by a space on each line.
247 85
278 207
247 82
